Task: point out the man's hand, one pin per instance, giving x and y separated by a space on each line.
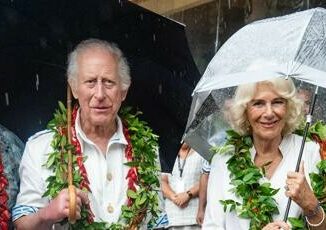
55 211
58 208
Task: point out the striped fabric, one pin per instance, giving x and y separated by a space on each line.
22 210
206 168
162 221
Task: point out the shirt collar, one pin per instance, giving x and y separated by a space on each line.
117 137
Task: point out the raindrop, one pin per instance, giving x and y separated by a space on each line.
40 122
154 38
37 82
126 35
43 42
7 98
141 17
160 89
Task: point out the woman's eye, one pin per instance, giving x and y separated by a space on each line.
257 103
279 102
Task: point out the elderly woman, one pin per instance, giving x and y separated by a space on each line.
251 191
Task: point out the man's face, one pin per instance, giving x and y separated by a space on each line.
98 88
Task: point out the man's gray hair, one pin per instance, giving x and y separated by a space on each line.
123 68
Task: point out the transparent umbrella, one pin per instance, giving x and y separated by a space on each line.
290 46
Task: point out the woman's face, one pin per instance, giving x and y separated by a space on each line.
266 113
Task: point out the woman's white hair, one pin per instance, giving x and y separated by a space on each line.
236 114
83 46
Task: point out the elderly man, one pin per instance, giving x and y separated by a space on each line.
99 78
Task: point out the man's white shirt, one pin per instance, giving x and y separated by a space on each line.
106 173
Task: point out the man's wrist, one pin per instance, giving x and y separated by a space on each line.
44 218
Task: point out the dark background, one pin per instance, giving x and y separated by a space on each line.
35 37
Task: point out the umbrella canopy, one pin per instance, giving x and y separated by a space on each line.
290 46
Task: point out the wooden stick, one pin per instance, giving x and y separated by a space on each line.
71 187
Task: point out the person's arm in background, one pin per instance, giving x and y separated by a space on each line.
166 189
206 168
182 199
202 198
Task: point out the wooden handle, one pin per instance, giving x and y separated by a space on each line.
137 220
71 187
72 204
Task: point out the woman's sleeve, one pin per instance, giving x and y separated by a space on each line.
312 157
214 214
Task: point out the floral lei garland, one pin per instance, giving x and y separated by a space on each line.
258 203
141 155
4 212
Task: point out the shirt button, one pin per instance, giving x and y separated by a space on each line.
110 208
109 176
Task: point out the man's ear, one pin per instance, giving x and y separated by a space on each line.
124 94
73 90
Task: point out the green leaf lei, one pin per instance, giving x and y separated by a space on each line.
258 203
141 202
317 133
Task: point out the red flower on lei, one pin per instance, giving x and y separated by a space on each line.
4 212
132 175
322 144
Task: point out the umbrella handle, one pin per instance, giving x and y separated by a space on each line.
72 204
305 133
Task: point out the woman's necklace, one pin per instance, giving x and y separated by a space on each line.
258 203
269 165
